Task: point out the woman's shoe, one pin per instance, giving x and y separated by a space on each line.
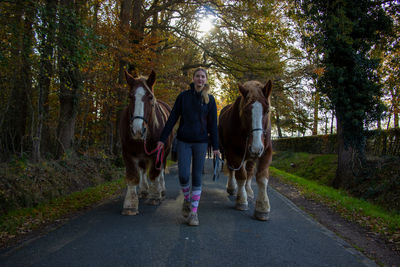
193 220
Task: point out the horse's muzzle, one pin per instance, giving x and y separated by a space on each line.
138 134
256 151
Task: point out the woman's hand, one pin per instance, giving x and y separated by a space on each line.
217 153
160 145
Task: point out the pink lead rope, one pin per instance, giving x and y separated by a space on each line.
160 154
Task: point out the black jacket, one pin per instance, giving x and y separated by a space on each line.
197 119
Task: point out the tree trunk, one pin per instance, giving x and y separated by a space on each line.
396 112
137 30
278 125
349 161
46 36
316 109
26 69
125 18
70 76
13 127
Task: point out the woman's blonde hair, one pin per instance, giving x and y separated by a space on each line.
206 88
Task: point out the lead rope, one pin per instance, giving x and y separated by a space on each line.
244 156
160 154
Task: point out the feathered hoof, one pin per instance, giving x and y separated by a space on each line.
241 206
130 212
154 202
231 191
261 216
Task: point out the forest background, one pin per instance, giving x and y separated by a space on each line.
62 66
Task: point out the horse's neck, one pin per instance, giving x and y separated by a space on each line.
156 122
235 115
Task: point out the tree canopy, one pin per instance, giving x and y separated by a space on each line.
62 63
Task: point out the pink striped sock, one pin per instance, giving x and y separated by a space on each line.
195 200
186 192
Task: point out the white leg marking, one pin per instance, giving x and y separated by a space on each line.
262 203
155 188
249 190
137 124
130 197
242 194
162 181
231 185
256 115
143 184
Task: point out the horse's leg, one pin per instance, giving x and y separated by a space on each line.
231 186
131 202
143 184
262 204
162 182
250 167
155 189
241 199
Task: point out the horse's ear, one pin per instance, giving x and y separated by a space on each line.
242 90
267 89
129 79
151 80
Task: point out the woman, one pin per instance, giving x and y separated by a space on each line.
198 118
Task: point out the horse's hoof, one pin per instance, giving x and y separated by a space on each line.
154 202
261 216
241 206
231 191
163 193
130 212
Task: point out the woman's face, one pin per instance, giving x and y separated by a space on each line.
199 79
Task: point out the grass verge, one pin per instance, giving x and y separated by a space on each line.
22 221
357 210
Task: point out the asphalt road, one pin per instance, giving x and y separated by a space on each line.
157 237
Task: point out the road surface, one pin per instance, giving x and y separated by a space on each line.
157 237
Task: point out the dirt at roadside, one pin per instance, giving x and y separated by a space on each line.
369 243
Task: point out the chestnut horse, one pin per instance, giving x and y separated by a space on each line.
141 124
245 136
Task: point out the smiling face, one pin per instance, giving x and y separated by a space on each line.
199 79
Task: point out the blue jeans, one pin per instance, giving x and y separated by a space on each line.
187 151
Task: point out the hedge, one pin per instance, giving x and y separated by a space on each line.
378 143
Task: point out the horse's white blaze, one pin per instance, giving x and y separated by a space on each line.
256 113
137 124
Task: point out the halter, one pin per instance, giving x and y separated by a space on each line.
141 118
258 129
245 148
160 152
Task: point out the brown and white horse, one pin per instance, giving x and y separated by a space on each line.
245 135
141 124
